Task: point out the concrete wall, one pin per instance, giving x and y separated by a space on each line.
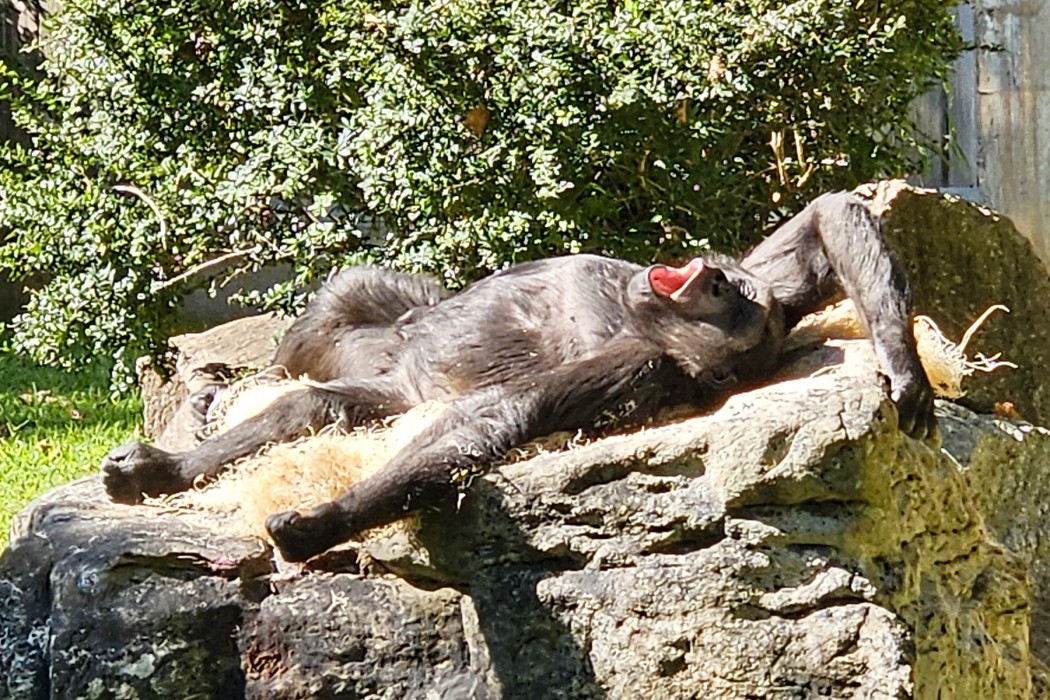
11 299
19 25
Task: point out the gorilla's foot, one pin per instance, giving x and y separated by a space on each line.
135 469
299 536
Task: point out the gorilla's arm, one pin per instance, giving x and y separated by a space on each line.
835 245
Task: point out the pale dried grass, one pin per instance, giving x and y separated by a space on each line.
946 363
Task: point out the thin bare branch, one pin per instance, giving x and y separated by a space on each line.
204 267
133 190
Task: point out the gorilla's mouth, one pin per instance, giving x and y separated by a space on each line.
673 282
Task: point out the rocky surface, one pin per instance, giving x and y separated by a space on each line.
789 545
232 349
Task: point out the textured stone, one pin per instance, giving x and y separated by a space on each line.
960 259
791 544
237 347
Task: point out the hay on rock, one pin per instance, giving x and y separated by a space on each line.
301 474
946 363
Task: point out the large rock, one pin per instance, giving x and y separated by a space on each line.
791 544
960 259
234 348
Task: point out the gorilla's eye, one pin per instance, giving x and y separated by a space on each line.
721 287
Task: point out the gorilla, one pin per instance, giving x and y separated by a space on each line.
580 342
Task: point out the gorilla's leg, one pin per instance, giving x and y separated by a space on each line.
134 469
474 430
347 329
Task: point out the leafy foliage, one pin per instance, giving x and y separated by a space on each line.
453 136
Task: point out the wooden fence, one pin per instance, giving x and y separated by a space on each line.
949 119
19 25
998 110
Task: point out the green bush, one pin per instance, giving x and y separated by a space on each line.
443 135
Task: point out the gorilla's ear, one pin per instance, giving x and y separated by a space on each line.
640 293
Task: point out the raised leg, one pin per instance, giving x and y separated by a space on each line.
357 309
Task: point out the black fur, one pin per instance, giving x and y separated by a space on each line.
578 342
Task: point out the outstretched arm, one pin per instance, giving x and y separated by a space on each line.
834 245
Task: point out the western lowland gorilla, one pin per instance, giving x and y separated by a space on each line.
558 344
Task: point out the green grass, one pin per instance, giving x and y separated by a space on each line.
54 427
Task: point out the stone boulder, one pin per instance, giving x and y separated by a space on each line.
232 349
791 544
